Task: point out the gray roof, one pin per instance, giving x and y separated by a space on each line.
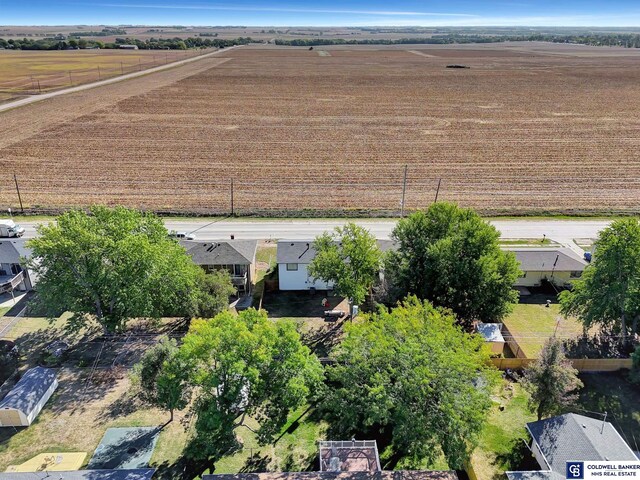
222 252
534 475
384 475
11 250
543 259
576 437
491 332
26 394
134 474
302 251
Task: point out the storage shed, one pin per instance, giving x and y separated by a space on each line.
23 403
492 334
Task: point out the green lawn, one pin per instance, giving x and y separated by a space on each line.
4 310
527 242
501 442
532 324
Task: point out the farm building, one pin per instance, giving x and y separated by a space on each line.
560 266
13 275
492 334
23 403
571 437
294 257
238 257
124 474
128 47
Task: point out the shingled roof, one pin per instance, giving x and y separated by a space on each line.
543 259
302 251
12 250
222 252
576 437
29 390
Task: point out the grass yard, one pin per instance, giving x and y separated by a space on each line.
4 310
532 324
528 242
501 442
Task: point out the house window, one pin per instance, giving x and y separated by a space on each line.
292 267
576 274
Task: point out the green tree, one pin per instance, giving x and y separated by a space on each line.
245 366
451 257
634 375
608 293
349 258
413 373
551 380
111 265
214 290
161 377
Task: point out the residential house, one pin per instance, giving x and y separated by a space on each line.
22 404
13 274
571 437
294 257
238 257
560 266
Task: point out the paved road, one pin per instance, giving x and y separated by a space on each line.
86 86
562 231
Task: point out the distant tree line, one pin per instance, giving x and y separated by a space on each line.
628 40
105 32
148 44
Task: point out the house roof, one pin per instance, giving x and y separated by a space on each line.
491 332
384 475
302 251
12 250
534 475
131 474
29 390
543 259
576 437
222 252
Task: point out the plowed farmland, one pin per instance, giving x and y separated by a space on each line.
527 128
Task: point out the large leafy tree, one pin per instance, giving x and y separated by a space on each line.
608 294
451 257
551 380
111 265
349 258
161 377
214 290
413 373
245 366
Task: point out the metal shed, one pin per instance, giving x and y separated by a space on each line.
23 403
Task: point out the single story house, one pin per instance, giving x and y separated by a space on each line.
293 258
120 474
238 257
23 403
492 334
560 266
13 275
571 437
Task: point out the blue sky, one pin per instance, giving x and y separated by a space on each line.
323 13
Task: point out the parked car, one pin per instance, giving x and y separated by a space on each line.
8 229
182 235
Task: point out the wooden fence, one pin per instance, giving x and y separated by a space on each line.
581 364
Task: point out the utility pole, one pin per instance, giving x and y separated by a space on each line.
404 191
39 89
139 65
99 76
70 80
438 190
15 179
121 69
232 210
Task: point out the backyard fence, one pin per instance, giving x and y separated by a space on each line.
581 364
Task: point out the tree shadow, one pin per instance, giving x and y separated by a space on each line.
256 463
322 340
518 458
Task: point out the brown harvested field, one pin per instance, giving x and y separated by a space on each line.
30 72
528 128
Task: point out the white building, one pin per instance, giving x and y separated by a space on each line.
23 403
560 266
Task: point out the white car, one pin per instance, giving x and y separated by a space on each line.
183 235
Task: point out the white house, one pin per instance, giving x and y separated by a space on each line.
560 266
294 256
23 403
13 276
